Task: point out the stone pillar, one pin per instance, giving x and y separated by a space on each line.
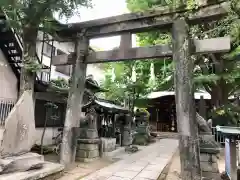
126 137
75 96
185 104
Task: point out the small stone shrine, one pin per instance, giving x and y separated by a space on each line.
113 124
88 141
142 136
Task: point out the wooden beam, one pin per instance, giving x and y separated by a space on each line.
142 22
185 104
215 45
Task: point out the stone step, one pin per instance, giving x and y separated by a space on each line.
21 163
48 171
25 157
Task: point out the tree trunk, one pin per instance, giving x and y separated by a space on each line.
185 104
74 104
29 53
219 94
220 90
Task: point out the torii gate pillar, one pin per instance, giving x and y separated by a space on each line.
185 104
74 104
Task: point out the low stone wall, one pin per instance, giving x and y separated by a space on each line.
109 144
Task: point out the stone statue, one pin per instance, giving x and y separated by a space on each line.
142 137
203 124
209 148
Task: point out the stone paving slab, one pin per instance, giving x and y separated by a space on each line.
146 164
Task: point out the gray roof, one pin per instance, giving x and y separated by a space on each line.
107 105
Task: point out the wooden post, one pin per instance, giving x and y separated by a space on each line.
73 112
114 124
185 104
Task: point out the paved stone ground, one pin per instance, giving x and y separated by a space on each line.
143 165
84 169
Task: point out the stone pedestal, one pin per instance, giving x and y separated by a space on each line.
126 137
108 144
141 137
87 145
87 149
209 149
209 165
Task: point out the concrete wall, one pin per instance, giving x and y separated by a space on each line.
8 80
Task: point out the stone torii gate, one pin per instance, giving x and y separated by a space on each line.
182 49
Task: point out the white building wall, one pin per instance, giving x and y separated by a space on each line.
8 80
48 136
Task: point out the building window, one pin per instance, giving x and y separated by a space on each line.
48 49
54 117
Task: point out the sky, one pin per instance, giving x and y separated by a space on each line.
102 9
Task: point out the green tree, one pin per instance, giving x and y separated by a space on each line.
31 16
122 86
218 74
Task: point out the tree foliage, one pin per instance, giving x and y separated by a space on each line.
122 86
28 17
218 74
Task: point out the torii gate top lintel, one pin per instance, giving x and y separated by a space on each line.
143 21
